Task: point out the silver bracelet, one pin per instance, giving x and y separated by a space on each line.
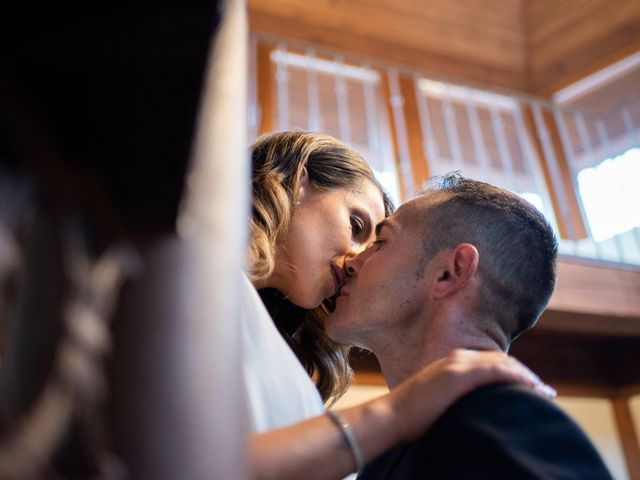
349 438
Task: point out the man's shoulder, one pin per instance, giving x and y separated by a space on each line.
507 401
496 418
498 431
508 420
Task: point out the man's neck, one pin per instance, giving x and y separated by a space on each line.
398 364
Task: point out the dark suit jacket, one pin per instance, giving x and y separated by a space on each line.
496 432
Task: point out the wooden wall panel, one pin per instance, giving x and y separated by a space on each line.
628 436
569 39
597 289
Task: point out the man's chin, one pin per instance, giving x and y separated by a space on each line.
330 303
334 302
337 315
332 327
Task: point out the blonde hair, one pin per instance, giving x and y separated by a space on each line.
278 161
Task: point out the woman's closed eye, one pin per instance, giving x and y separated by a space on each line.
357 226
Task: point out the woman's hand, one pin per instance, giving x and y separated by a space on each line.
419 401
315 449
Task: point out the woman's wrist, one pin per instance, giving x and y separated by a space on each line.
349 438
375 426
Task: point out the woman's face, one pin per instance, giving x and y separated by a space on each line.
326 228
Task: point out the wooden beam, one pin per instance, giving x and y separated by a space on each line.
393 131
374 377
265 89
536 142
568 183
628 435
590 324
572 227
419 161
599 289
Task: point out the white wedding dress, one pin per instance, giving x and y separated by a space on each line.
279 390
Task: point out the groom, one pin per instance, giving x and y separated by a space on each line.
467 265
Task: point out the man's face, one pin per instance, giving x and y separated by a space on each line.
388 286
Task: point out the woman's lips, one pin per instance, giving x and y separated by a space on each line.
339 278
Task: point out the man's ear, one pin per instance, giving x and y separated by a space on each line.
304 188
457 268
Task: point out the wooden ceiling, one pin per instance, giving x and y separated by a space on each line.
568 39
535 46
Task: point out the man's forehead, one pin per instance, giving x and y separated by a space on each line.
406 213
403 218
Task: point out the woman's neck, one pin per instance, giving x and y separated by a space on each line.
274 280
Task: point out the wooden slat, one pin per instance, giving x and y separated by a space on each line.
419 162
628 436
386 95
570 193
266 89
576 222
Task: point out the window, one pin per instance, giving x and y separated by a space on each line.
482 134
610 195
344 100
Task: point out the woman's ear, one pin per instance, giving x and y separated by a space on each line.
304 188
458 268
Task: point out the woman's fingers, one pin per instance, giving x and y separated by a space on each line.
482 368
418 401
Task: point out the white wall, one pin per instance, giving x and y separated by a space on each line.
596 418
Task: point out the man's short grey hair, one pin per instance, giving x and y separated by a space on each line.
518 249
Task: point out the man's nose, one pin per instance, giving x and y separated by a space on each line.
358 247
352 264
